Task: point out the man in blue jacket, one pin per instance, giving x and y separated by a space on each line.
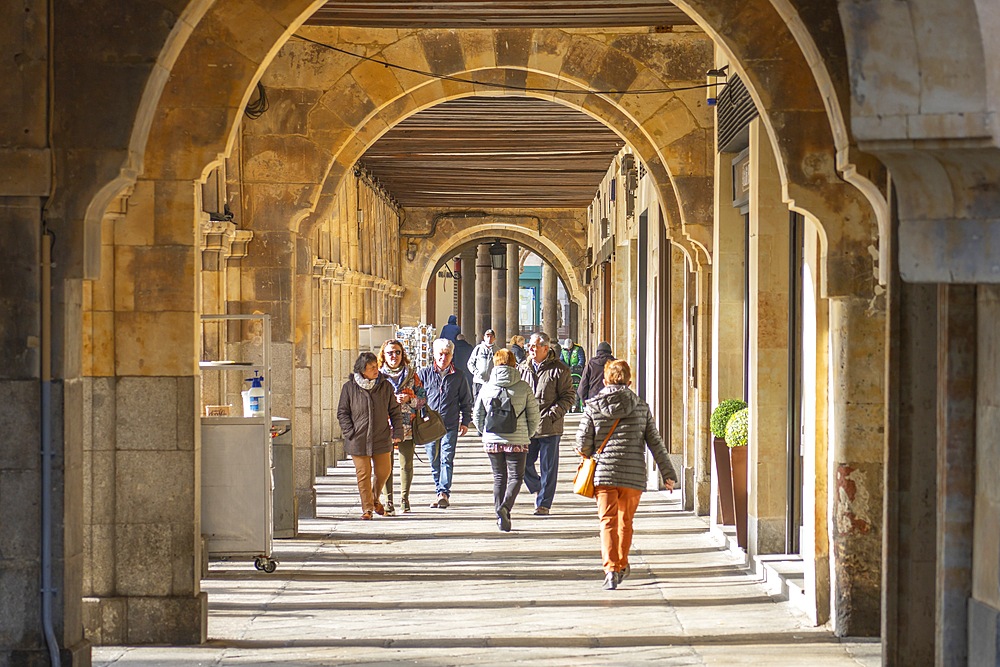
448 393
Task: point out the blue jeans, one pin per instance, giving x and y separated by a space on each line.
546 451
442 460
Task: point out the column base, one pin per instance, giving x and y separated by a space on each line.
688 491
135 621
307 503
71 656
984 633
319 460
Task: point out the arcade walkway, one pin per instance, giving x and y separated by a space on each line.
445 587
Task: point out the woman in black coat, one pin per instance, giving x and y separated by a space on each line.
371 422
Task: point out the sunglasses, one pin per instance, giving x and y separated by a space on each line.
393 353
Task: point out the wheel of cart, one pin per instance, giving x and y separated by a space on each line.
577 375
266 564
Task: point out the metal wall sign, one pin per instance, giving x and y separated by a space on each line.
741 179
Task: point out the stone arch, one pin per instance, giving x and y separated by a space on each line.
564 263
805 125
670 135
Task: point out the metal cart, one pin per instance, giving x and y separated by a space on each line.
236 459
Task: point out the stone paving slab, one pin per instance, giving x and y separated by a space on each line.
445 587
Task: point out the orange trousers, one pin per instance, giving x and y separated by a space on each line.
616 506
368 488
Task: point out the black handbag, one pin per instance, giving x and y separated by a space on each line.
427 426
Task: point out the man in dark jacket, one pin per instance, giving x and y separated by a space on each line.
463 352
593 375
447 393
552 385
451 330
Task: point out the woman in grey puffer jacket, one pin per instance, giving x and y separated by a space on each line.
620 477
508 451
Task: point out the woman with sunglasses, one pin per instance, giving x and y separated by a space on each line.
395 365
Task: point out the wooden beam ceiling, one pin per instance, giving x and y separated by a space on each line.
499 14
494 152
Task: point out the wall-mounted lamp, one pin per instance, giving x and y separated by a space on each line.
498 255
411 250
446 272
713 77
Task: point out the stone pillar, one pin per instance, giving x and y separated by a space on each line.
574 324
550 302
679 373
701 389
513 291
145 581
484 284
984 601
767 460
908 623
857 405
467 318
956 470
499 310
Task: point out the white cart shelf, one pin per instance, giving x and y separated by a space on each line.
236 475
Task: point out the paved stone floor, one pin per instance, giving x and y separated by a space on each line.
445 587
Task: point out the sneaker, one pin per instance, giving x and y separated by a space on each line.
390 509
379 509
443 501
611 581
406 504
541 511
503 519
624 573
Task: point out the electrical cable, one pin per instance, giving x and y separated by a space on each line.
505 86
256 108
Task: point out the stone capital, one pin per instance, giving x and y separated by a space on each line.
319 268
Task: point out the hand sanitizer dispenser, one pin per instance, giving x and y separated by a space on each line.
253 398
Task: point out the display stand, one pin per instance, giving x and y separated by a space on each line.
236 475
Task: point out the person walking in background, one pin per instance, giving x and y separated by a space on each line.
573 356
506 413
409 390
448 394
593 375
371 422
517 347
481 362
620 477
463 352
550 382
451 330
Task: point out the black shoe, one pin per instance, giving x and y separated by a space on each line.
611 581
503 519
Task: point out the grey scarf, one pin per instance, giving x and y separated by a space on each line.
364 382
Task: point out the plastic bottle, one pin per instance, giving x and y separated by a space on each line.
253 398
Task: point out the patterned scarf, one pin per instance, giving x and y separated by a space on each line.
364 382
396 377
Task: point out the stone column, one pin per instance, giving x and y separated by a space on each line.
679 373
513 291
956 471
701 390
467 318
767 459
484 275
857 342
144 577
550 302
499 310
908 626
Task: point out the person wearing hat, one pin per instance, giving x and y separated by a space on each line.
573 356
481 361
593 375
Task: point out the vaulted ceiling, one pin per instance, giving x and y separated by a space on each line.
504 152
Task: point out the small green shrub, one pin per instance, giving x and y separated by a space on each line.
737 430
722 413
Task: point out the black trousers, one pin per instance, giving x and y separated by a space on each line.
508 473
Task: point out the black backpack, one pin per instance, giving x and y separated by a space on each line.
500 416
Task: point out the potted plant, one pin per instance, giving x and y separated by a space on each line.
737 437
720 418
